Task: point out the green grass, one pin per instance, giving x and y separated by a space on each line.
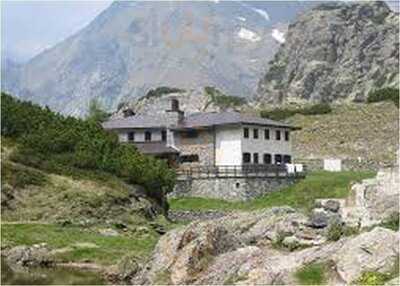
300 195
378 278
312 274
81 244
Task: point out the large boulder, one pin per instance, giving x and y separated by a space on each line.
28 256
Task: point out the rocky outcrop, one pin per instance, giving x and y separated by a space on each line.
28 256
237 249
369 203
338 51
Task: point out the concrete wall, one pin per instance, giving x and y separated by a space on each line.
262 146
228 150
230 189
139 135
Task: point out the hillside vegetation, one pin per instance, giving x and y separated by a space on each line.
369 132
67 145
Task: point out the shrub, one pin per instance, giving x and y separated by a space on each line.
312 274
392 222
384 94
60 144
335 230
20 177
283 113
222 100
373 278
160 91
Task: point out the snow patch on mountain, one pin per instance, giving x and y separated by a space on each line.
248 35
278 36
263 13
243 19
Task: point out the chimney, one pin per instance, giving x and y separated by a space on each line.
176 115
128 112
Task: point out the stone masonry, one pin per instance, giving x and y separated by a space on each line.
230 189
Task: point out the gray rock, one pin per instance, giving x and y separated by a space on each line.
335 52
29 256
318 219
332 205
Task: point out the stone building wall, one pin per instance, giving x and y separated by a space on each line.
202 145
230 189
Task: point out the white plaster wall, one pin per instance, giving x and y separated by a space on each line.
228 149
262 146
139 135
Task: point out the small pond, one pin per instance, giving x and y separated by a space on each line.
49 276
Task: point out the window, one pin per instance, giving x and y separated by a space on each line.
287 159
163 135
246 132
190 134
246 158
255 158
255 133
267 159
237 185
278 135
189 158
147 136
266 134
286 135
131 136
278 159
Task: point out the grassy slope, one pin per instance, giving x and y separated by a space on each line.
77 244
369 131
42 200
301 195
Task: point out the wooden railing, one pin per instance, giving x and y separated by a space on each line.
238 171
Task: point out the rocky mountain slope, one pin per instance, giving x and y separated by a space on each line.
137 45
337 51
365 135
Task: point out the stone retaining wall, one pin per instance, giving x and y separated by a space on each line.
230 189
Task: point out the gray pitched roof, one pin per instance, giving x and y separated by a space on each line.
204 119
195 120
136 121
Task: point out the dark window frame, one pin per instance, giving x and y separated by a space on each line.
255 133
246 132
245 156
163 135
266 134
147 136
131 136
287 136
269 156
278 135
192 158
255 158
287 159
276 161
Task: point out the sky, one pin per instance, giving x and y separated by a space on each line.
29 27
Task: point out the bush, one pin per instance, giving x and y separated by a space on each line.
57 143
312 274
283 113
373 278
392 222
384 94
20 177
335 230
160 91
222 100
